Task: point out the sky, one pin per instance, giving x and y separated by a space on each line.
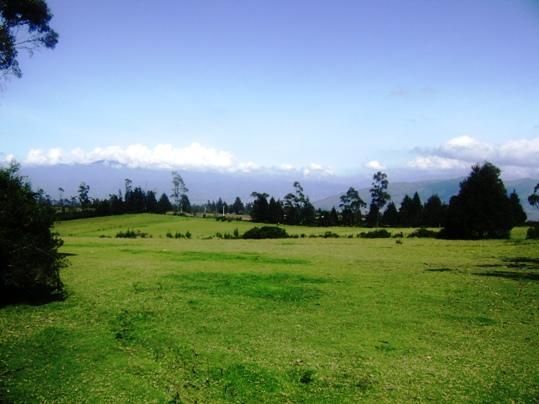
322 87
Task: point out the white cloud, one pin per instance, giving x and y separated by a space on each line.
162 156
463 151
317 169
436 162
375 165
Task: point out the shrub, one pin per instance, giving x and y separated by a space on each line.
29 257
423 233
330 234
132 234
265 232
381 233
188 234
398 235
533 232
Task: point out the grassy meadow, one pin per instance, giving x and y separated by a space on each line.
288 320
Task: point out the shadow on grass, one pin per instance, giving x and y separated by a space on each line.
518 276
444 269
522 262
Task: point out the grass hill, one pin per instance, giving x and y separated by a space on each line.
291 320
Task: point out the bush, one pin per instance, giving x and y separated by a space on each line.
381 233
265 232
330 234
423 233
29 257
533 232
132 234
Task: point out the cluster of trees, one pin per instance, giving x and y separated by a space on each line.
133 200
295 208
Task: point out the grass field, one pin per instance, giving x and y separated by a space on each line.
290 320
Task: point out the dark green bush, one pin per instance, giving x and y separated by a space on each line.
29 257
330 234
265 232
381 233
533 232
423 233
132 234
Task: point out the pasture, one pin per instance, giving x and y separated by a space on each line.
288 320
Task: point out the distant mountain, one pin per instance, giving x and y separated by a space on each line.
107 177
444 188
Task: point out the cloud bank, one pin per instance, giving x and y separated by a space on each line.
519 156
162 156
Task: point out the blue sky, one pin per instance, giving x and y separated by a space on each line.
328 86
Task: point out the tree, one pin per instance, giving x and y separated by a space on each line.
260 209
178 190
24 25
185 204
83 191
151 202
517 212
411 211
351 204
275 211
481 209
164 205
434 212
533 199
29 257
379 197
237 206
390 216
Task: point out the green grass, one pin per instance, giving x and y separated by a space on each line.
294 320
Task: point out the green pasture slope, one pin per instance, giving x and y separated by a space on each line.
294 320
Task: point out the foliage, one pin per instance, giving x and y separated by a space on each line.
434 212
481 209
423 233
411 211
379 197
390 216
517 211
132 234
533 199
29 257
533 232
265 232
178 190
351 204
24 24
380 233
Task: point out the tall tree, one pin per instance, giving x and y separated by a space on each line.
29 257
351 204
178 190
83 191
237 206
164 205
379 197
517 212
24 25
533 199
410 211
260 209
482 208
434 212
275 211
390 217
